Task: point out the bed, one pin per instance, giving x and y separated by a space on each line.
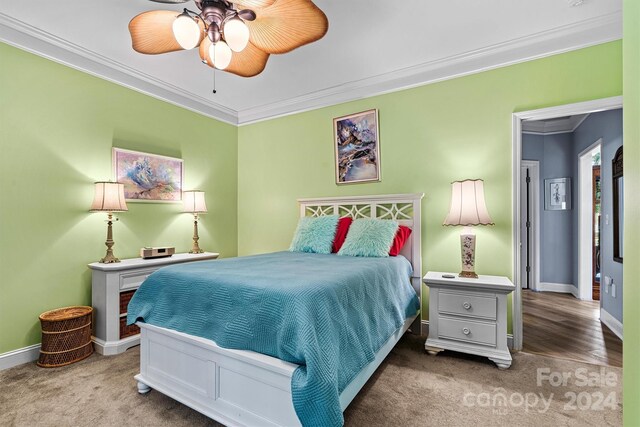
241 387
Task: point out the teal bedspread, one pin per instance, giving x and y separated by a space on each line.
327 313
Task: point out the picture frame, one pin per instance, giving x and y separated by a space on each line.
357 147
557 194
150 178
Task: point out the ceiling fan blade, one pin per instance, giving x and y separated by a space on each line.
152 32
253 4
248 63
286 25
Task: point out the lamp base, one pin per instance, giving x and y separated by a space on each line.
468 274
468 252
109 258
196 247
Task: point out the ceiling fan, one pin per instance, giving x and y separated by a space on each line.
236 37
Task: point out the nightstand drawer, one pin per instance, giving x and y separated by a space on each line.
468 331
133 280
467 305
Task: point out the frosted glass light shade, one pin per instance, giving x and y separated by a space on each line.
220 55
109 197
236 34
193 201
186 31
467 204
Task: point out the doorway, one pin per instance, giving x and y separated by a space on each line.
518 231
588 222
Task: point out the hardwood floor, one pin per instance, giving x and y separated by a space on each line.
559 325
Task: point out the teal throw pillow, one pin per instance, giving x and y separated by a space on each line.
315 234
369 237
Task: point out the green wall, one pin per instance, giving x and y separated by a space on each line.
631 350
57 128
430 136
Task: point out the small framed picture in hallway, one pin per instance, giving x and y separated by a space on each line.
557 194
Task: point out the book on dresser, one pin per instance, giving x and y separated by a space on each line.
112 286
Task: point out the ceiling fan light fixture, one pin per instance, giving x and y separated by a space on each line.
186 31
220 55
236 34
255 29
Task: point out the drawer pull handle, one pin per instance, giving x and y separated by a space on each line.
466 305
466 331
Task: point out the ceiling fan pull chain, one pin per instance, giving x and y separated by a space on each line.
214 81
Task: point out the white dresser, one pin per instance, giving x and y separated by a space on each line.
469 315
112 286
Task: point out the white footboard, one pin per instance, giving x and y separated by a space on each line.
233 387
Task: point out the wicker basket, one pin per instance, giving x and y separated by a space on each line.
66 336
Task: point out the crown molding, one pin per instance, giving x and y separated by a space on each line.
575 36
562 39
554 126
19 34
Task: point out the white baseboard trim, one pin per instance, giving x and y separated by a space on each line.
611 322
563 288
19 356
112 348
425 331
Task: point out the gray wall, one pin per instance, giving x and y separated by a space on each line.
608 126
555 154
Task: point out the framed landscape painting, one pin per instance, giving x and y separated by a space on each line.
357 147
148 177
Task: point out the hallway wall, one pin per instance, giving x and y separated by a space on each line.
554 152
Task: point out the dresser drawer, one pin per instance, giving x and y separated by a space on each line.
134 279
468 331
467 305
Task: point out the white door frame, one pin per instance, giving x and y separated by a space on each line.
517 118
534 167
585 221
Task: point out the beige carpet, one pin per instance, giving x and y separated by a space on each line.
411 388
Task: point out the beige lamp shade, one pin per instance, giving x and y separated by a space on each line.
109 197
194 201
467 204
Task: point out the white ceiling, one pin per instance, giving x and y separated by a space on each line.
372 47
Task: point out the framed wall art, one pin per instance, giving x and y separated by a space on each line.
357 147
557 194
148 177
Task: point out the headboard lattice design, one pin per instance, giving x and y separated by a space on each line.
404 208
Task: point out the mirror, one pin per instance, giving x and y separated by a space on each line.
618 205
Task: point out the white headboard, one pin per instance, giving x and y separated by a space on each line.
404 208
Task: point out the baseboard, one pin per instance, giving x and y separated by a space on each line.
425 331
563 288
611 322
19 356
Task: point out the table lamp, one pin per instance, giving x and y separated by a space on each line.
109 198
194 203
468 208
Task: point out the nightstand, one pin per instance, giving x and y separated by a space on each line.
112 286
469 315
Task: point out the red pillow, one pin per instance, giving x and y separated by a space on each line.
341 233
402 235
